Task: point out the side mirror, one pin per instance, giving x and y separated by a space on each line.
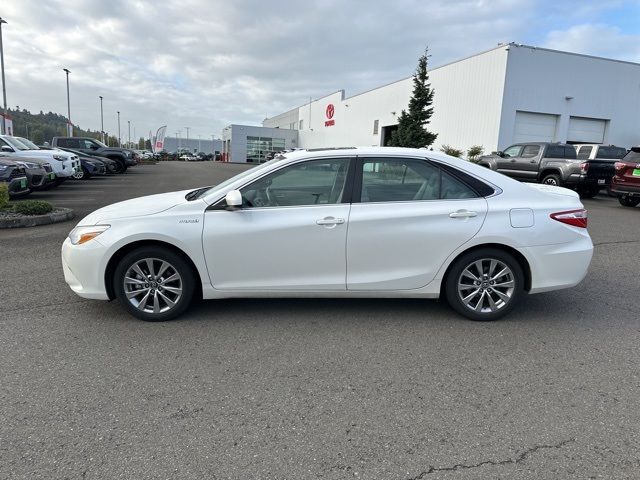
7 148
500 153
94 146
233 199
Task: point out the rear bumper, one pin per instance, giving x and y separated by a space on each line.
620 188
602 182
554 267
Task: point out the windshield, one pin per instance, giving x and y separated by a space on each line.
28 143
15 143
633 155
220 187
100 143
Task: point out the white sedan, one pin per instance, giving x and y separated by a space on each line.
362 222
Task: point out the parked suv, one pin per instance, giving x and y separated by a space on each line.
597 167
64 164
626 181
14 175
91 146
549 163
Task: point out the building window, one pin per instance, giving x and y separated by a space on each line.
376 124
301 125
261 149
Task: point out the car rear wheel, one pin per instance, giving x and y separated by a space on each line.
154 284
627 201
485 284
552 179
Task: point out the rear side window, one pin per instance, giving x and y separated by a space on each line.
613 153
402 180
530 151
65 142
584 152
561 151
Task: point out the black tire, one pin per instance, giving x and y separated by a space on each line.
627 201
177 264
121 166
588 192
488 292
552 179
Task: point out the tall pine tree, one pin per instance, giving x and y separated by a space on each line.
412 131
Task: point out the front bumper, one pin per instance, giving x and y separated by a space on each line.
18 186
554 267
83 268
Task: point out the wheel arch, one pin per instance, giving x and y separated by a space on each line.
549 171
125 249
520 258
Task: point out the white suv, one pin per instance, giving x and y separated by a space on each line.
64 164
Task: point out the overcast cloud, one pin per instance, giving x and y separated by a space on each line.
205 63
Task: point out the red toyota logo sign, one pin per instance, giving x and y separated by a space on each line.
330 111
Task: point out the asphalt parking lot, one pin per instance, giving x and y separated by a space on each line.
375 389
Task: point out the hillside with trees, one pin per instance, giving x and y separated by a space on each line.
42 127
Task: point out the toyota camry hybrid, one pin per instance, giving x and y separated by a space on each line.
353 222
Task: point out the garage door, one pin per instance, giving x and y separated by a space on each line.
534 127
586 130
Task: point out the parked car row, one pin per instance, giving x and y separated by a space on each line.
587 168
26 167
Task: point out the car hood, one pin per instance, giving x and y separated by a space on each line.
44 153
136 207
553 190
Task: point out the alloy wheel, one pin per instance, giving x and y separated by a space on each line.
153 285
486 285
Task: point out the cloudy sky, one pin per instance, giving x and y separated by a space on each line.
206 63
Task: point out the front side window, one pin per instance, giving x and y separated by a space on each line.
315 182
513 151
402 180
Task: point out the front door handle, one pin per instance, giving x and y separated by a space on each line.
463 214
330 221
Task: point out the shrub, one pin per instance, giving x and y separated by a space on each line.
4 195
449 150
32 207
474 153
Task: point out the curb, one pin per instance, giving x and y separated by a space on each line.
60 215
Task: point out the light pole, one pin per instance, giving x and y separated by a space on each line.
4 86
199 149
119 142
70 125
101 120
187 128
213 144
129 142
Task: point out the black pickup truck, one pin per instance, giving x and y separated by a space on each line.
123 156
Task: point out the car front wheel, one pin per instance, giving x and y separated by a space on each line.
154 283
484 284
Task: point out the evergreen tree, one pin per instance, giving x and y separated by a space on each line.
412 131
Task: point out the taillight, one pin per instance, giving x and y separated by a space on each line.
619 166
575 218
584 166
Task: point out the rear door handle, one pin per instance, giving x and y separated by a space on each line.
330 221
463 214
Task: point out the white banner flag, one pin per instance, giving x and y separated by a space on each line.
158 144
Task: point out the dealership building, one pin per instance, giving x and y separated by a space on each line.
509 94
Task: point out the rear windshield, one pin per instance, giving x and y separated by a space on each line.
560 151
611 152
633 155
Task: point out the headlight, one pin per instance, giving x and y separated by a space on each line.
3 168
59 157
28 164
80 235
